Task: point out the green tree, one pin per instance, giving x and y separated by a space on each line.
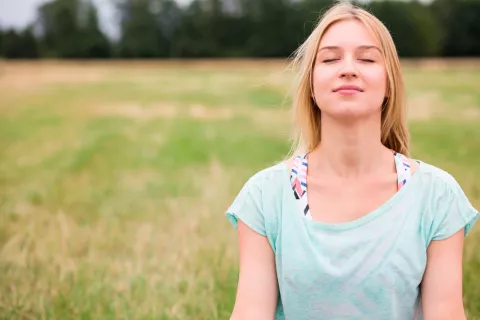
169 18
70 30
1 43
140 33
413 26
234 28
19 45
59 26
460 26
94 42
197 34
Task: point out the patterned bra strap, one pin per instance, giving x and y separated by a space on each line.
404 171
298 179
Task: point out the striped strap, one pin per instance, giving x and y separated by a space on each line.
298 179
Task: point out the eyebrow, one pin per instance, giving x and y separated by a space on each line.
364 47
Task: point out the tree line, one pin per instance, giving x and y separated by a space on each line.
70 29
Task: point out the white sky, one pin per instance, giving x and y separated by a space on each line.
19 13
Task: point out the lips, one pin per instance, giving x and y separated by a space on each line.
348 88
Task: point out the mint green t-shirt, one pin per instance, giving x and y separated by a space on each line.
370 268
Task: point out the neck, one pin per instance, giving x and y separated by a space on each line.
351 150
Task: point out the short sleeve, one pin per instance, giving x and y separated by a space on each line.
452 212
247 206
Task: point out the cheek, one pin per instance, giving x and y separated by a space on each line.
377 82
381 92
380 80
322 81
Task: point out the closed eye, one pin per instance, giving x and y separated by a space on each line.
329 60
367 60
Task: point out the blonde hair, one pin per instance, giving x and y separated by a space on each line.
307 125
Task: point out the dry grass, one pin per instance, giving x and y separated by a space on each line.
114 178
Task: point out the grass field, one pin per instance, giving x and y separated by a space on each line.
114 178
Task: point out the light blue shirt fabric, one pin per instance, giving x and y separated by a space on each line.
370 268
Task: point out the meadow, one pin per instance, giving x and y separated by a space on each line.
114 178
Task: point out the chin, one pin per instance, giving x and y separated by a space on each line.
350 113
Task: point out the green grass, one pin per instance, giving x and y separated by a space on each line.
112 190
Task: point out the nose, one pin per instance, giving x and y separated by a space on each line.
348 68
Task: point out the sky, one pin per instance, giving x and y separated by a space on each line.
19 13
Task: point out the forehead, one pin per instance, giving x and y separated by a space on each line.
350 33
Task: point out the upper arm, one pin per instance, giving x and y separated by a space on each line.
442 282
254 218
448 218
257 291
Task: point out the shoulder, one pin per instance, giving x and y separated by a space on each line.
269 178
446 206
258 201
437 177
267 188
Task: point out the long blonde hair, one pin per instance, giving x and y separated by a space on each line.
307 130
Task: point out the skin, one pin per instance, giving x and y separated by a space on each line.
351 162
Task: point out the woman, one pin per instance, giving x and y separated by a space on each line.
349 227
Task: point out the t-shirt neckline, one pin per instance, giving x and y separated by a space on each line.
383 208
